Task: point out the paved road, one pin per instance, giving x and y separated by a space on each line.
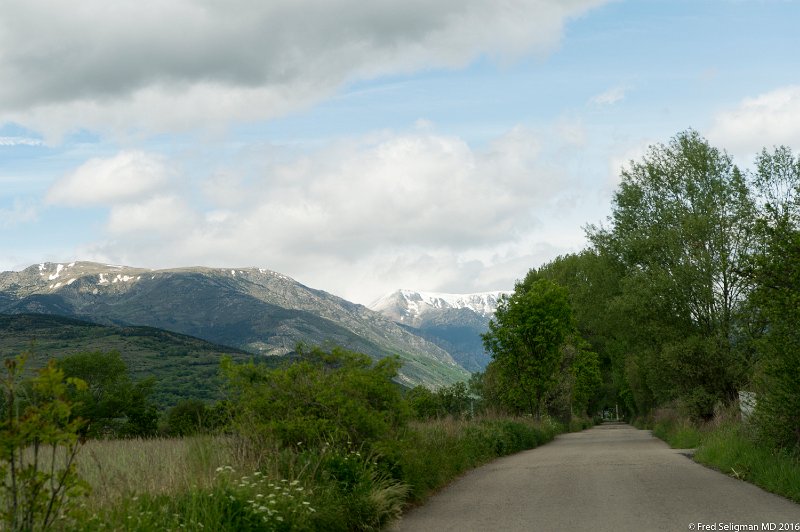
611 477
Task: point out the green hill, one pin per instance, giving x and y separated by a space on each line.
184 366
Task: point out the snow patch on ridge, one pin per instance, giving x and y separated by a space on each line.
54 276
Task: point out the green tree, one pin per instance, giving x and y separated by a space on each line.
112 404
682 227
424 403
593 281
324 396
525 339
189 416
38 446
776 273
588 381
455 399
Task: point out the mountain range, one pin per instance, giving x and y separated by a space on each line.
454 322
253 309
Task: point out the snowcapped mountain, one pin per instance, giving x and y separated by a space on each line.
254 309
410 307
454 322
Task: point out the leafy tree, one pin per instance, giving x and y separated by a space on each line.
455 399
588 381
593 281
683 225
111 404
189 416
424 403
36 426
324 396
485 388
776 272
525 338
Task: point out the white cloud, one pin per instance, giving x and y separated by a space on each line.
631 151
609 97
154 66
159 216
415 207
769 119
124 177
19 213
20 141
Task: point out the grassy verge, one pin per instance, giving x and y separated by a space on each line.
730 449
728 445
217 483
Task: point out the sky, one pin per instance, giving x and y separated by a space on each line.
362 147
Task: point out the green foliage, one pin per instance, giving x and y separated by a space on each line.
593 281
731 449
184 367
776 271
678 431
192 416
38 445
424 403
683 226
525 339
453 400
112 404
429 455
588 380
325 396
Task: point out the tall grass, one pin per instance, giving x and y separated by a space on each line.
679 432
732 449
228 483
430 454
729 445
122 468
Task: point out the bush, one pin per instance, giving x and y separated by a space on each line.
325 396
36 432
192 416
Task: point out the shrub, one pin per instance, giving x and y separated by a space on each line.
38 445
325 396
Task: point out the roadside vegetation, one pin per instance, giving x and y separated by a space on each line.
690 294
327 442
727 444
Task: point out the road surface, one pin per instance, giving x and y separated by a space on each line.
611 477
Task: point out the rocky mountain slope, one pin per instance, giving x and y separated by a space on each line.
254 309
454 322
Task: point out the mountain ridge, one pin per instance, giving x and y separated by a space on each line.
256 309
454 322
